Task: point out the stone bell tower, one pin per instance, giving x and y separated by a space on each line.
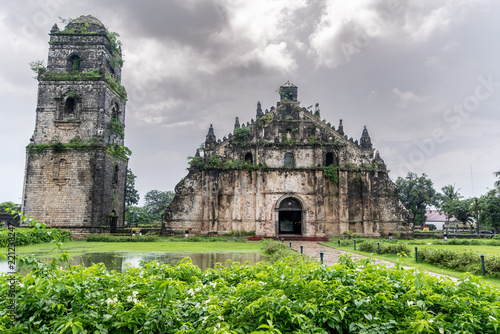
76 162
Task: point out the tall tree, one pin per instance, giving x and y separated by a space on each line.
157 201
447 198
449 193
136 215
489 208
9 205
131 194
462 210
497 182
416 193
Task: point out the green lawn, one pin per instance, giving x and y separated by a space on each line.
80 247
424 243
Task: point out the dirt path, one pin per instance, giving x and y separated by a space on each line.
331 255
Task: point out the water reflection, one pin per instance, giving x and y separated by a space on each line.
117 261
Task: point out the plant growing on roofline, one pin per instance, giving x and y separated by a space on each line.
241 135
38 66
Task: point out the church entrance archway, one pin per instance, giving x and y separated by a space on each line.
290 216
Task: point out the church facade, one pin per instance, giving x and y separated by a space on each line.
287 173
76 163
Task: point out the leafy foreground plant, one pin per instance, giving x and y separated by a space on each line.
287 296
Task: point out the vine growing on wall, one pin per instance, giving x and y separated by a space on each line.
117 87
58 147
119 151
332 173
239 165
117 128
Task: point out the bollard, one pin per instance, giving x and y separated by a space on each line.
354 244
416 253
206 235
321 253
282 240
339 242
290 244
378 248
482 264
301 249
324 238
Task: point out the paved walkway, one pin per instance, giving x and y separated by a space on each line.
331 255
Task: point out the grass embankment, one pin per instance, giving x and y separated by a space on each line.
409 260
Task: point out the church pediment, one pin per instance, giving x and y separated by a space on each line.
293 128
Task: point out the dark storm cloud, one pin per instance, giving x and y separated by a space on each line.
394 66
184 21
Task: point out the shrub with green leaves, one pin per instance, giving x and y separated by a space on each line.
116 238
30 236
385 247
467 261
287 296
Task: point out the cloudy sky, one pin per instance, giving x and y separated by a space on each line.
423 76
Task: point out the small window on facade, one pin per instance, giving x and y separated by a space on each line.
329 159
115 176
69 107
288 161
249 158
115 111
74 64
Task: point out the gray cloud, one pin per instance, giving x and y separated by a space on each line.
192 63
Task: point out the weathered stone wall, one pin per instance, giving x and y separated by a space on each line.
221 201
74 188
93 112
73 179
241 181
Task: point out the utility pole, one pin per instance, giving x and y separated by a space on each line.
477 217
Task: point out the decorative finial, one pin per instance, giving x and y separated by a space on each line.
210 139
236 123
259 110
316 111
365 140
341 128
54 29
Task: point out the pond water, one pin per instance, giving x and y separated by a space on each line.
117 260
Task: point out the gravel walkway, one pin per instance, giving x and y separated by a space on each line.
331 255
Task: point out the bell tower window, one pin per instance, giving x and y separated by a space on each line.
73 64
329 159
249 158
115 111
69 108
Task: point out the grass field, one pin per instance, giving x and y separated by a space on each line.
424 243
80 247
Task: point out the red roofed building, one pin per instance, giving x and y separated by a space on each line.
439 219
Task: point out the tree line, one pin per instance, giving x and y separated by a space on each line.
417 193
155 202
